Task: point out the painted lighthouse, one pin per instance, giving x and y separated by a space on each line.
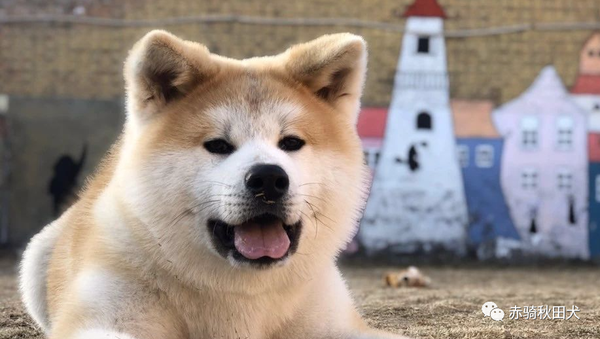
417 200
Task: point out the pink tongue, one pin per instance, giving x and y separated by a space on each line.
254 240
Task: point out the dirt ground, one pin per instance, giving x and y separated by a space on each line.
450 308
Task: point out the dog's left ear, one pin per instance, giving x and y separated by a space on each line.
333 67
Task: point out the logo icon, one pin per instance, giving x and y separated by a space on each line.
490 309
497 314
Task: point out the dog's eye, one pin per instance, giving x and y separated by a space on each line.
291 144
219 146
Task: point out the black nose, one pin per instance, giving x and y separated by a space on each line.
269 182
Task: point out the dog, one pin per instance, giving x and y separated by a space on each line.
411 277
221 209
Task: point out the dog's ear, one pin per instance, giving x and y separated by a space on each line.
333 67
162 68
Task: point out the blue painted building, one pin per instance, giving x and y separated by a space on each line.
594 208
479 151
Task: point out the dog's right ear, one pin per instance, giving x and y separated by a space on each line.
333 68
162 68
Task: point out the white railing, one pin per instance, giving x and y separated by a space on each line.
422 80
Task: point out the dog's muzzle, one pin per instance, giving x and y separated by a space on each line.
264 238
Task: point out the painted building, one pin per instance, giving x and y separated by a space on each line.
586 89
544 167
4 169
417 198
371 129
594 194
586 92
479 149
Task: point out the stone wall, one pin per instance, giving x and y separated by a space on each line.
43 130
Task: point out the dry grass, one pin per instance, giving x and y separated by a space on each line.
451 308
14 323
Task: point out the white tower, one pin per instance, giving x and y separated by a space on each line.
417 200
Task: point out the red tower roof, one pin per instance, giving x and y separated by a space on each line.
587 84
428 8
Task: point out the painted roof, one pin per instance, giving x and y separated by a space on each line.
545 97
473 119
371 122
547 84
427 8
594 147
586 84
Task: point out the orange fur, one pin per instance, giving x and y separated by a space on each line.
411 277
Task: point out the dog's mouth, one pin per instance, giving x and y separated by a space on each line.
262 240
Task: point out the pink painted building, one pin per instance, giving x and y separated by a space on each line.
544 168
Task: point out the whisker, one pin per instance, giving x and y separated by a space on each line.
315 223
312 183
205 203
319 211
317 218
311 196
217 182
190 210
324 224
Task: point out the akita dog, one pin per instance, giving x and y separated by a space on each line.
220 211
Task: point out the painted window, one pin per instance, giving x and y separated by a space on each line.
423 44
572 212
463 155
529 132
533 226
371 157
484 156
597 188
564 180
564 138
529 179
424 121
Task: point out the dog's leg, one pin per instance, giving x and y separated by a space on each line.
328 312
381 335
101 334
360 330
105 304
369 333
33 272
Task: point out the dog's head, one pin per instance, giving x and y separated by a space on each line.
256 161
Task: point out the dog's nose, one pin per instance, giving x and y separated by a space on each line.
267 181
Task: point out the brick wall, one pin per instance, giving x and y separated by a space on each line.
55 72
85 61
